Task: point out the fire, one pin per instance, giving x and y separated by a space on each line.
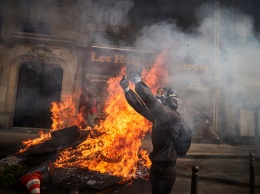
30 142
157 76
65 114
116 150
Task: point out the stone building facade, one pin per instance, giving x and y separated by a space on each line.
35 37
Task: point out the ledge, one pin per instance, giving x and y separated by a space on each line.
40 38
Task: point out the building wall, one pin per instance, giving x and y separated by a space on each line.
12 59
62 45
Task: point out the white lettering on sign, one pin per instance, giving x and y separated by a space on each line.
193 67
198 88
116 59
101 58
119 59
97 80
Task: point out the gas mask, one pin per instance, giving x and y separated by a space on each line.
168 97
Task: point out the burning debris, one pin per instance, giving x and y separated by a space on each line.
109 152
56 140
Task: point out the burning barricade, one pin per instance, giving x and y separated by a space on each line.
95 157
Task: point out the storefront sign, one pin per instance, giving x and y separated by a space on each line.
110 61
116 59
193 67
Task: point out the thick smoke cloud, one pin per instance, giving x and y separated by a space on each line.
113 12
109 13
225 40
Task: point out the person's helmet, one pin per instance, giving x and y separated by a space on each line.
168 97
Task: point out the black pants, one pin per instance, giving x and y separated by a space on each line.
162 178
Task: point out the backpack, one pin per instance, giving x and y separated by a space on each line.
183 142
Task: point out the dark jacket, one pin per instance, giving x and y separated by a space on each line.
166 122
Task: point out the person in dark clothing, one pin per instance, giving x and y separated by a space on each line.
88 108
161 111
83 107
206 131
92 109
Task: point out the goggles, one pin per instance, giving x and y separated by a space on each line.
176 96
161 92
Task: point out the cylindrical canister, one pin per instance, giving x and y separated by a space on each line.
46 170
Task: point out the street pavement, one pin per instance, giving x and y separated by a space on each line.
223 168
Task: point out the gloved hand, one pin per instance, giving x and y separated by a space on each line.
124 83
135 78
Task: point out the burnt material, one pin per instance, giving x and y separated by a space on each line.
60 139
71 178
66 134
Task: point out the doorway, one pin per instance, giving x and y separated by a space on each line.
38 86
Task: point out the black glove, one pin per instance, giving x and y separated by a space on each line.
124 83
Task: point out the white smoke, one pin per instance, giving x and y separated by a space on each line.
231 36
223 40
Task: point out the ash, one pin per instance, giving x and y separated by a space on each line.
80 178
11 160
142 172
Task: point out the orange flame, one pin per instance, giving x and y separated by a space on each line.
31 142
116 150
65 114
